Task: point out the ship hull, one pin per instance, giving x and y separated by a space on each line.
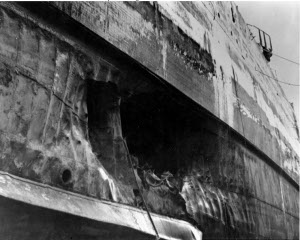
31 210
78 85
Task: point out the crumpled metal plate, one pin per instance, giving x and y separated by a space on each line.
63 202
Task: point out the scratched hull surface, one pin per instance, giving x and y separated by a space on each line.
214 142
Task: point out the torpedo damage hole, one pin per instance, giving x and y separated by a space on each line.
160 131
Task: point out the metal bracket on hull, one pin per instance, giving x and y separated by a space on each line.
264 41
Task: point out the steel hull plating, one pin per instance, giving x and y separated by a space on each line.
213 143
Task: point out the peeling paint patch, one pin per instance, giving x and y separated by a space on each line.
246 112
184 20
164 56
225 100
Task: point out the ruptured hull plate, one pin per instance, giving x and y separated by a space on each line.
35 211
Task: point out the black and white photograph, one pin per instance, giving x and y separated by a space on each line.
149 120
